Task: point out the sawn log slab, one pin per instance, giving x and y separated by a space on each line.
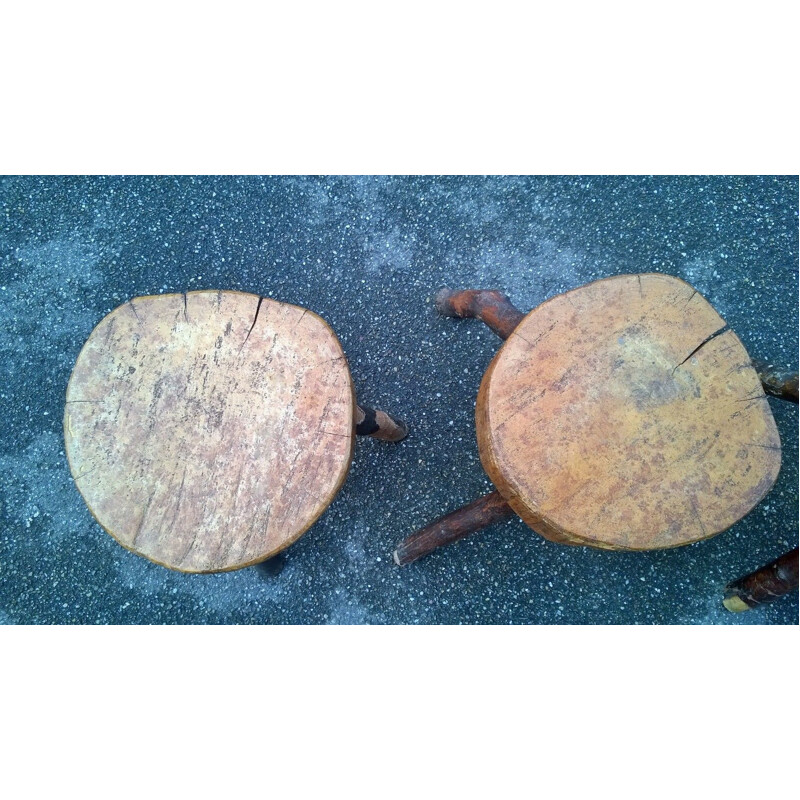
207 431
626 415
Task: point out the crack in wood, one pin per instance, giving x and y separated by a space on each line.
749 401
191 547
178 501
238 489
529 401
304 491
300 318
110 330
290 474
196 535
538 338
738 368
718 332
253 526
144 514
514 333
231 540
255 319
699 519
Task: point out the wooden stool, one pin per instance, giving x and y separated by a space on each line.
622 415
207 431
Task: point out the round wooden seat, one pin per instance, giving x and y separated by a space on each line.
207 431
625 415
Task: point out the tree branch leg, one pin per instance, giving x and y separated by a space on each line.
778 384
777 578
477 515
379 425
488 305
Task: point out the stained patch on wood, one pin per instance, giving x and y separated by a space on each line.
626 415
192 426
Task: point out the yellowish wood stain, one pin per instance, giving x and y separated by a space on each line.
625 415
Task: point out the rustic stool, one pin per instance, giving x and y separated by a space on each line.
207 431
622 415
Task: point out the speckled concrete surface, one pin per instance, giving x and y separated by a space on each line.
368 254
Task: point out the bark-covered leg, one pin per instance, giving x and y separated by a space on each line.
488 305
773 580
379 425
776 383
477 515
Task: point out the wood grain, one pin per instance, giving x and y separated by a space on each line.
207 431
625 415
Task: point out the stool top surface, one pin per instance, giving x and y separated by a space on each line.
209 430
625 415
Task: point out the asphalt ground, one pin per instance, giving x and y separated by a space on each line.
368 254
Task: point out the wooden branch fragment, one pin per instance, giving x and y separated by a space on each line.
778 384
777 578
488 305
451 527
379 425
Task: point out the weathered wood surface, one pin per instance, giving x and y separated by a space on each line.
763 585
625 415
207 431
451 527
